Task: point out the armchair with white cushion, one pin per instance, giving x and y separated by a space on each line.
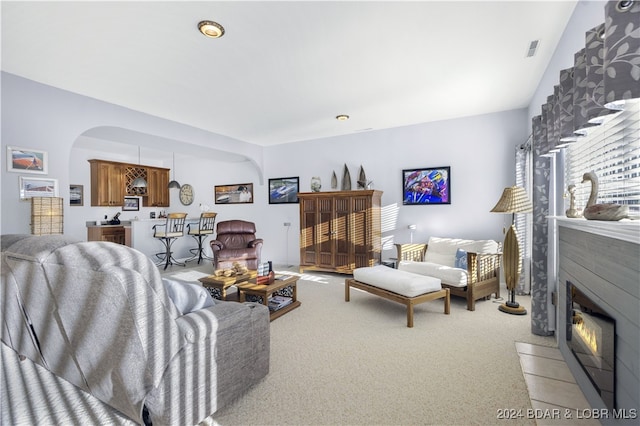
469 268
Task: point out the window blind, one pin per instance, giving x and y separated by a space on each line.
612 151
523 222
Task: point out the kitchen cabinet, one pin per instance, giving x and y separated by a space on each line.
107 183
112 233
111 181
131 173
340 230
157 188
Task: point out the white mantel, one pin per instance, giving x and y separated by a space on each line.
625 229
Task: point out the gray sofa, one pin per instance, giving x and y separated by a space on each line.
97 315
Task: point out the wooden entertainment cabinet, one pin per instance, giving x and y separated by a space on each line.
340 230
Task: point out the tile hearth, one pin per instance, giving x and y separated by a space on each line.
552 388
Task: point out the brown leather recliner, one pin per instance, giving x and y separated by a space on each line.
236 242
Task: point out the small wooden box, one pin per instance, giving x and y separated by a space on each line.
265 279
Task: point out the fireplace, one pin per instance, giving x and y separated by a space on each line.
591 337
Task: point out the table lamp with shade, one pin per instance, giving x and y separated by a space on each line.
514 200
47 215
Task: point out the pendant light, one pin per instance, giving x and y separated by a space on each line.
139 182
174 183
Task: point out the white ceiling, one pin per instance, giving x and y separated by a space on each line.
284 70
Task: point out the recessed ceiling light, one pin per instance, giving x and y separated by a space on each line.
211 29
342 117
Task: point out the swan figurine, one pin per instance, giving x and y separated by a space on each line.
594 211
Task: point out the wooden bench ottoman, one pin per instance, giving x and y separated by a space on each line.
399 286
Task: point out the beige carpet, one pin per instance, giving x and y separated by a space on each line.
356 363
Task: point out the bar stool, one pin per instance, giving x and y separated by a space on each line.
200 232
168 233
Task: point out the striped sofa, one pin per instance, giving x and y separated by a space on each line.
97 315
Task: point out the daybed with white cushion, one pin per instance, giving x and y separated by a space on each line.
468 268
400 286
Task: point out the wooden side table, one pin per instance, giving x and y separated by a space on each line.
264 291
218 286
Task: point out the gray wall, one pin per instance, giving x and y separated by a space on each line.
480 151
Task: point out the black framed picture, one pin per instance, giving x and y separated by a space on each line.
425 186
76 195
284 190
131 204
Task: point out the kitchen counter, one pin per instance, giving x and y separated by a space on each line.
105 223
139 235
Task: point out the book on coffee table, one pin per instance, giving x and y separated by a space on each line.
282 277
278 302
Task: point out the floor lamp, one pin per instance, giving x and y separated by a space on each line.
514 200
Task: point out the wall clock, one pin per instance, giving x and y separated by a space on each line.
186 194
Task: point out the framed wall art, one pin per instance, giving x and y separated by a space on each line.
131 204
25 160
284 190
76 195
426 186
241 193
37 187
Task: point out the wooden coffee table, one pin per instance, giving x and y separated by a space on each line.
218 286
287 287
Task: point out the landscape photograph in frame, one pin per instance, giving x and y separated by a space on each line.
26 160
426 186
37 187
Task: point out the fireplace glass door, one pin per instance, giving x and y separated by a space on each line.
591 335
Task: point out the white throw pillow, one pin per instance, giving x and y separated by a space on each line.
187 297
